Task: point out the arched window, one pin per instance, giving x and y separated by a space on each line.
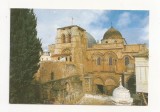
98 61
67 87
63 38
70 58
52 76
126 61
110 61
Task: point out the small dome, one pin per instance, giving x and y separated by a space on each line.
91 40
121 93
112 33
121 96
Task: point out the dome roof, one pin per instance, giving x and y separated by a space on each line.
112 33
91 40
121 93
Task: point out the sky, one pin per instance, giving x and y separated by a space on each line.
133 24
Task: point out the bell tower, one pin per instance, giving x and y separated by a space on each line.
73 39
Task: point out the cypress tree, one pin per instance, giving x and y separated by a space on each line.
24 55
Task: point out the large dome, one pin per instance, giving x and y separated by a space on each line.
112 33
91 40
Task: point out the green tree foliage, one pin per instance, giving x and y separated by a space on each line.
24 56
132 84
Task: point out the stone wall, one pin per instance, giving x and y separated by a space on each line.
62 91
50 70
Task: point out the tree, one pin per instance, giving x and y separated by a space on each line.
132 84
24 55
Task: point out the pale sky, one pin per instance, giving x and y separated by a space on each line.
132 24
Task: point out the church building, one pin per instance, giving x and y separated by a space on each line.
76 64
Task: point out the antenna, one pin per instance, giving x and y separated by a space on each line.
72 20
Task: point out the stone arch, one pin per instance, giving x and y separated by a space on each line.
110 61
66 51
98 81
110 55
96 55
112 78
99 86
110 84
129 56
67 54
128 62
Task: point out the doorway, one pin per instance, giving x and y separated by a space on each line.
100 89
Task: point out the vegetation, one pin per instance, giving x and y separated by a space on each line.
24 56
132 84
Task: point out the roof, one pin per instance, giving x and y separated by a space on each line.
71 27
112 33
91 40
142 54
56 55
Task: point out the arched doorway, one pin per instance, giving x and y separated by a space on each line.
100 89
110 85
67 88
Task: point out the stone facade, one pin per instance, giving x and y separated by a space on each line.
97 66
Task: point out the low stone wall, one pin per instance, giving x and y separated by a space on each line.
63 91
73 98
